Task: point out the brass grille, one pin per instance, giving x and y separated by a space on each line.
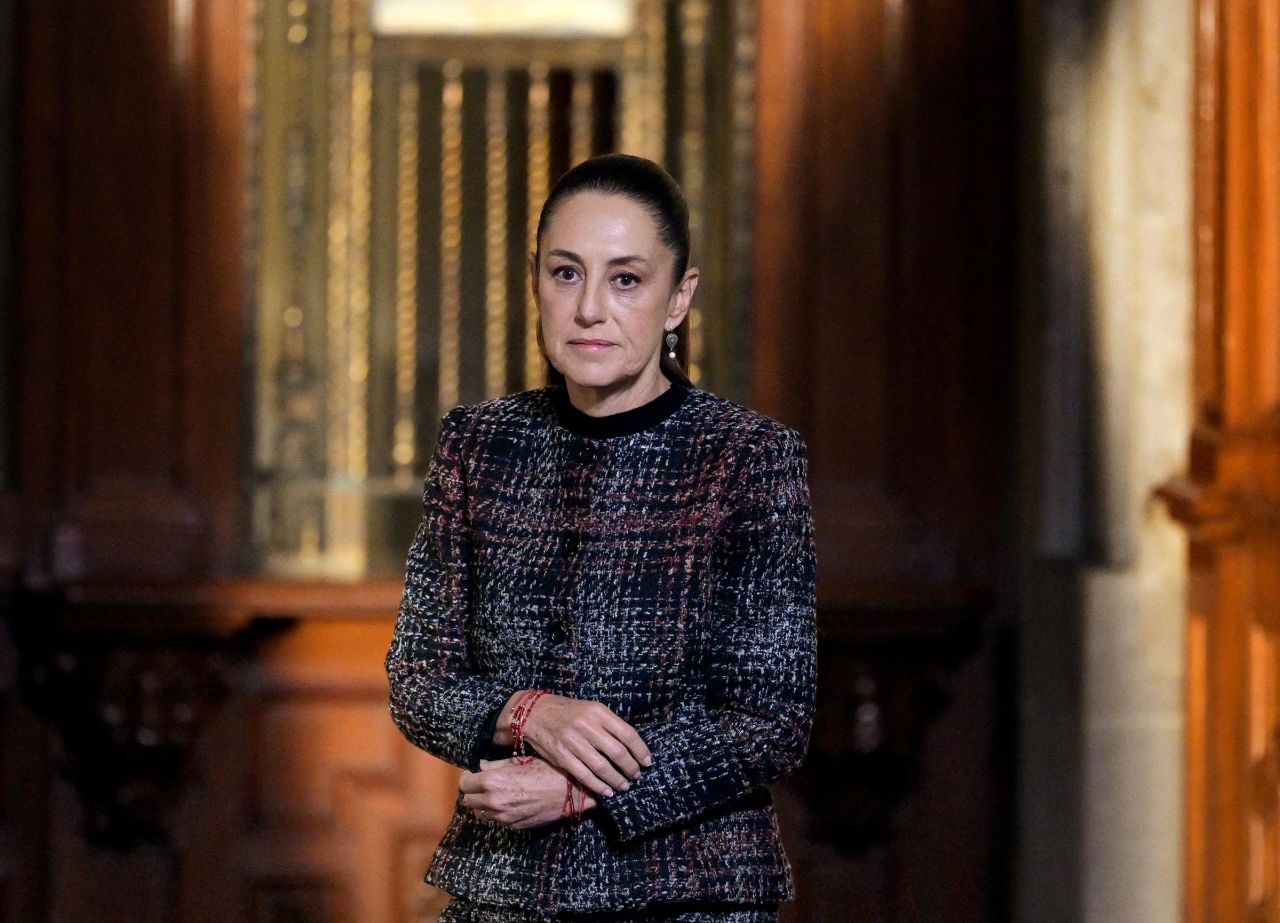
393 191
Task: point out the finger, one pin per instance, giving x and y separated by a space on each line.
485 764
630 739
618 754
603 770
584 776
470 782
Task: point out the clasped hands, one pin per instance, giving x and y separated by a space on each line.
574 739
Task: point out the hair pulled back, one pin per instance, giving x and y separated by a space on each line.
653 189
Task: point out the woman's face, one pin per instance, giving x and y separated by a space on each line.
603 285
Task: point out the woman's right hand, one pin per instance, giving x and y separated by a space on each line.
587 740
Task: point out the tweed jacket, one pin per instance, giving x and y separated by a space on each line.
659 561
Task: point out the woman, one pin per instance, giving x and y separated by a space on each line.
618 570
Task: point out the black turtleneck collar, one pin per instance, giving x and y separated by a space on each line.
624 423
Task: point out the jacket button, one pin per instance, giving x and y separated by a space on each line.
557 632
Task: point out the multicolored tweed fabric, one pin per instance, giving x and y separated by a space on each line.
463 911
659 561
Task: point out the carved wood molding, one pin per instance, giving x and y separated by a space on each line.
129 673
127 701
1217 515
885 674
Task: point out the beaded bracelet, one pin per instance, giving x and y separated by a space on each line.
519 715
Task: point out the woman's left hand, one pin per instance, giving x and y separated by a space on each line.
519 795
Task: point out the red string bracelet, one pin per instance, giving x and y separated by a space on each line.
519 715
573 806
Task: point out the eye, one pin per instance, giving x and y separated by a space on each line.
626 280
564 273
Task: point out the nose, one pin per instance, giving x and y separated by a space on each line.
590 304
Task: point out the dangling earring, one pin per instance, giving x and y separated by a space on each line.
672 339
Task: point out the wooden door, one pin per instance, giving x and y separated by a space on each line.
1230 502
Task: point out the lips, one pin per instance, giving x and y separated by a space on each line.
591 344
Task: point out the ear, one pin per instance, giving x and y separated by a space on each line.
682 297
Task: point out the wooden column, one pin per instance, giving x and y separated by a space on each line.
1230 502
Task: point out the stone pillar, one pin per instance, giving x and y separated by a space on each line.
1106 412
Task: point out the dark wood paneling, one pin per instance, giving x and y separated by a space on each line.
782 203
8 743
23 793
120 225
302 800
41 319
129 296
883 250
212 262
884 253
310 801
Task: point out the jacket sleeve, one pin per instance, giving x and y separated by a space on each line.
439 699
754 727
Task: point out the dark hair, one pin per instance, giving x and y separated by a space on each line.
651 187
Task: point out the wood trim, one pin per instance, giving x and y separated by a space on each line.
244 597
40 294
780 331
1208 205
213 402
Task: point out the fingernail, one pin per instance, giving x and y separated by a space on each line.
626 785
608 793
648 761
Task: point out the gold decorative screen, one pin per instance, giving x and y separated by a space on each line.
395 182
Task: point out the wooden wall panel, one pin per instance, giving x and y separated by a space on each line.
304 805
304 748
883 290
129 306
884 293
339 813
288 900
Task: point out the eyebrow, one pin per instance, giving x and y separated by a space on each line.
616 261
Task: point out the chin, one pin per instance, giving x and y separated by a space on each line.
591 379
592 375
